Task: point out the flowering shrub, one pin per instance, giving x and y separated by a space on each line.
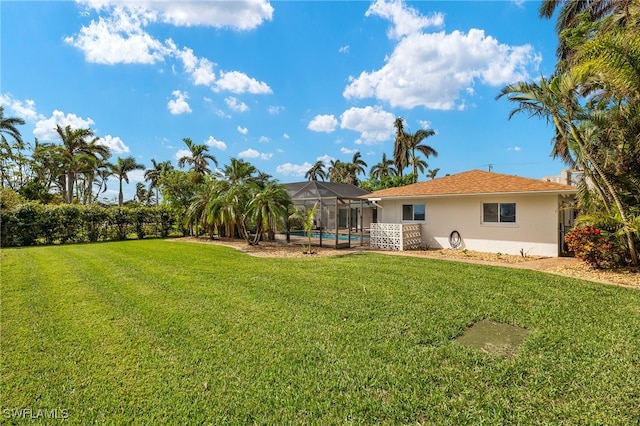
595 247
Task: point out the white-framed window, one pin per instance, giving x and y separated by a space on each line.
498 212
414 212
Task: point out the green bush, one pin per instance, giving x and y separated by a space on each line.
8 225
165 219
27 229
69 222
50 224
95 218
119 218
31 223
141 216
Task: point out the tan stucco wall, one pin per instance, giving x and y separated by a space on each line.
535 232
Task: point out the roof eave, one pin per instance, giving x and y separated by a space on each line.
472 194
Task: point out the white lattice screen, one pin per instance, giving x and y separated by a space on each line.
396 236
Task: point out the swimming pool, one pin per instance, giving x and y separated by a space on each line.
329 236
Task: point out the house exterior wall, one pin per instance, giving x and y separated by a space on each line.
535 231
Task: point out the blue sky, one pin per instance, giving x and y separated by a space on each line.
281 84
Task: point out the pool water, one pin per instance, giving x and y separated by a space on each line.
325 235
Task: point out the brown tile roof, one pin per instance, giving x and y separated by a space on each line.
473 182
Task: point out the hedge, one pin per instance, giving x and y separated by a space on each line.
32 223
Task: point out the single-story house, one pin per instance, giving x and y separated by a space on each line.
475 210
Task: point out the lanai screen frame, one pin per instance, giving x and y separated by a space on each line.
335 201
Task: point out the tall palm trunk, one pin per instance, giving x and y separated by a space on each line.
120 195
70 182
612 193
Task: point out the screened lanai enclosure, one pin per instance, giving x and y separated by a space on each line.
342 217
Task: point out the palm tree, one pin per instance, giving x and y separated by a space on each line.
418 165
358 164
76 146
414 143
316 171
47 164
341 172
121 170
431 173
267 208
383 168
400 147
154 174
8 126
307 217
229 195
143 194
406 145
557 100
92 171
238 172
572 12
198 158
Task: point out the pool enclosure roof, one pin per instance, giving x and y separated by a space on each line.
314 190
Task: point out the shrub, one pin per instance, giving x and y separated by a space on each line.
165 219
26 228
140 216
69 222
49 223
94 218
597 248
8 227
119 217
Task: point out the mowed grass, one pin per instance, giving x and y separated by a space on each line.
159 332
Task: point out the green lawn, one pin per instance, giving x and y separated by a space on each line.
152 332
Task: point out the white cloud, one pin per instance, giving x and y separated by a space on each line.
236 105
264 139
45 128
200 69
182 153
136 176
424 124
252 153
179 105
119 35
289 169
238 82
119 38
515 148
374 124
220 113
115 144
25 110
434 69
348 151
326 159
213 142
286 136
242 130
275 110
239 14
406 20
323 123
344 49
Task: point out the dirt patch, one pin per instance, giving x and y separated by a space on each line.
493 338
566 266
